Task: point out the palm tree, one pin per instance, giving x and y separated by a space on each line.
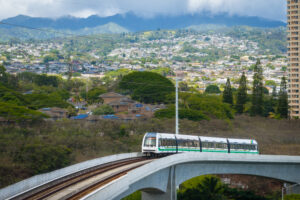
211 188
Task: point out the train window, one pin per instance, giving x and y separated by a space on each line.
183 143
150 142
221 145
205 144
194 143
208 145
243 146
179 142
167 142
188 143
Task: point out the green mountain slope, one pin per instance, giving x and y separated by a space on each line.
7 34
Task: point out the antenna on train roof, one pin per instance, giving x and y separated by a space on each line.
177 123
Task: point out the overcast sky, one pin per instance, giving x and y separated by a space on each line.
272 9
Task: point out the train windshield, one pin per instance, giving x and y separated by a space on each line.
150 141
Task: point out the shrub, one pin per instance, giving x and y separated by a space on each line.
43 157
193 115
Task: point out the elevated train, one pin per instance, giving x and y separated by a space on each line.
161 144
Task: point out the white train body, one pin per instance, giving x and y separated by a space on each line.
164 143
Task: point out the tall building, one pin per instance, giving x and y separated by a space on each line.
293 16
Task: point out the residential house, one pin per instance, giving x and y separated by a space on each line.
55 113
111 97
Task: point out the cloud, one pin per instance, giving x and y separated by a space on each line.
272 9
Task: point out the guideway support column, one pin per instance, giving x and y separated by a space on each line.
170 194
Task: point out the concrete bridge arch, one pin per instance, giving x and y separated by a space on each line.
159 179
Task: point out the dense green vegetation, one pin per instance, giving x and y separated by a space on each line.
147 87
46 93
12 112
40 158
292 197
213 89
193 115
210 187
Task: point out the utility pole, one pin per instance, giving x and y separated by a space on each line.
177 123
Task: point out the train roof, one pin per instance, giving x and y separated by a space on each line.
213 139
204 138
242 141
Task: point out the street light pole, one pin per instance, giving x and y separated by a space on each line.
177 123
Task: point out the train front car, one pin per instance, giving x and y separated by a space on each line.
149 145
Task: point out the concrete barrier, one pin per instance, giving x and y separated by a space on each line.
42 179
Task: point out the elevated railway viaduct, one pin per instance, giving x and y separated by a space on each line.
121 175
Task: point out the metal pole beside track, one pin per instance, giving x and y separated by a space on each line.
177 125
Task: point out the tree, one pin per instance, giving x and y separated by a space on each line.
274 98
48 58
37 101
147 87
3 75
92 95
7 79
257 91
17 113
270 83
241 99
209 188
183 86
43 79
282 106
71 111
212 188
103 110
212 89
227 93
193 115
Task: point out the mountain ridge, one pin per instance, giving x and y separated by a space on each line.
134 23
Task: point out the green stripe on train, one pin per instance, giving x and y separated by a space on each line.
205 150
244 152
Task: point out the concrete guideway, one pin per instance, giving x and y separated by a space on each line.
159 179
69 191
42 180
